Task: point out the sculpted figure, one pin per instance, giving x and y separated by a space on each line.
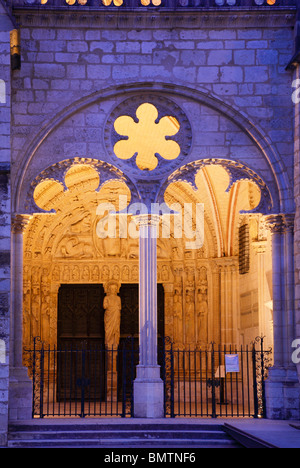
71 246
190 317
177 317
84 224
35 313
202 314
112 317
45 315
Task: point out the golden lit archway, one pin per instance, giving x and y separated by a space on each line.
62 246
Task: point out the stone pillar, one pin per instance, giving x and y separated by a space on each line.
297 200
289 287
282 385
264 324
148 386
20 386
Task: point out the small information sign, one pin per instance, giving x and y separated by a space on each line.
232 363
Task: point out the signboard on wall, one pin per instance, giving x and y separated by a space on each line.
232 363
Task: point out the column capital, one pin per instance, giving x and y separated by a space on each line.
147 219
289 221
19 222
280 223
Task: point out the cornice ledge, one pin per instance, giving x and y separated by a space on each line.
149 18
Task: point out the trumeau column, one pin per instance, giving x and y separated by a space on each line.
20 392
148 386
282 385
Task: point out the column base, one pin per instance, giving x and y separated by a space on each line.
148 393
282 394
20 394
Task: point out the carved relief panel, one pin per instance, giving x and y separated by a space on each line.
65 248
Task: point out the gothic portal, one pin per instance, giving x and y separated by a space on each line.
65 248
149 181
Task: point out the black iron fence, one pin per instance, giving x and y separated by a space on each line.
91 380
221 381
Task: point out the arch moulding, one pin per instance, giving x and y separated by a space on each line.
282 201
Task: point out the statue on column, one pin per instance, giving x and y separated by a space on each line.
189 318
45 315
177 317
202 314
26 315
35 312
112 317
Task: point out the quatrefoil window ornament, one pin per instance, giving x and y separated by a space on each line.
147 138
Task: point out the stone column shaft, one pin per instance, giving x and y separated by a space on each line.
281 227
19 223
282 385
148 386
148 292
20 386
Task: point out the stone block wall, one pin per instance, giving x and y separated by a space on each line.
236 60
243 66
5 216
297 206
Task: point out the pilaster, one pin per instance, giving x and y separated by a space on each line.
282 385
20 386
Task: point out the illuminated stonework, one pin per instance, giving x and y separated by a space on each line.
147 137
64 248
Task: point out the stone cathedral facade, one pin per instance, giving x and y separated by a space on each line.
136 105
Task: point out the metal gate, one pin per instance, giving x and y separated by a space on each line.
83 380
91 380
220 381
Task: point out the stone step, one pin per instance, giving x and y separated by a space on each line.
129 435
118 435
47 425
119 443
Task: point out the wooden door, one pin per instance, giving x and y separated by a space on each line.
80 340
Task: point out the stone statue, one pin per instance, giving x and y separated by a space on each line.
45 315
202 308
177 317
189 318
202 314
112 317
35 312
